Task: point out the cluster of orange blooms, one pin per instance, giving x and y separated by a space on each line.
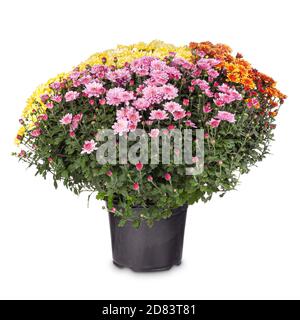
239 71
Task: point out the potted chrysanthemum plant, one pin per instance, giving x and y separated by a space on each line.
151 128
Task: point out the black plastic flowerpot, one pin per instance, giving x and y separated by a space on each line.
149 249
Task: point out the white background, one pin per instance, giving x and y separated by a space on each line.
243 246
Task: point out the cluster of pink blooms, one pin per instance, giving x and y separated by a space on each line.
117 96
204 87
226 95
226 116
154 91
160 73
222 115
71 120
207 64
94 89
144 91
119 76
154 94
127 120
175 109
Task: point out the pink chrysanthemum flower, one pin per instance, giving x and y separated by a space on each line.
85 80
154 133
214 123
75 121
224 88
75 75
55 85
153 94
22 154
206 64
119 76
186 102
159 77
43 117
172 107
35 133
44 97
121 126
127 120
88 147
207 108
66 119
173 73
130 113
191 124
71 95
158 115
157 64
94 89
219 102
209 93
56 98
226 116
77 117
179 114
202 84
169 92
49 105
141 66
141 104
127 96
213 73
134 117
99 70
226 95
114 96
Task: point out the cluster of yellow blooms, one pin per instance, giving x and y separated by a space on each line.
123 54
118 56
